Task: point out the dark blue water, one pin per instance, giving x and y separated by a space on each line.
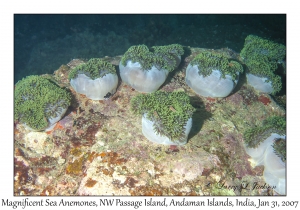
44 42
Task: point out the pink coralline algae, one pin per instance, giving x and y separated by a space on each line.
66 122
235 98
234 149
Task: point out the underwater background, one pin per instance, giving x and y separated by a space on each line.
43 42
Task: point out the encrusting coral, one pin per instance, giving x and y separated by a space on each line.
170 115
39 103
212 74
146 71
262 58
97 79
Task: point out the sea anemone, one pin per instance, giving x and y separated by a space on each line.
269 150
212 74
40 103
97 79
167 117
262 58
146 71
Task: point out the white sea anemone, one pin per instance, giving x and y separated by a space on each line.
95 89
210 86
261 84
211 74
150 133
166 116
146 81
97 79
146 71
275 168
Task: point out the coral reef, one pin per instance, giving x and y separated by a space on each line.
98 147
